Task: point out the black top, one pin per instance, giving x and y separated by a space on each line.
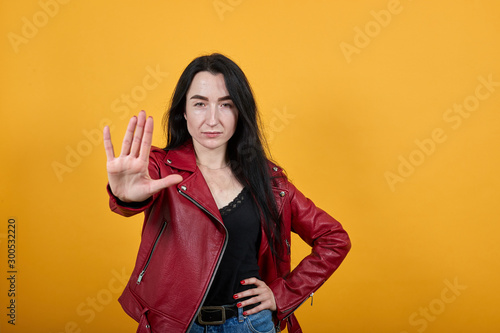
240 260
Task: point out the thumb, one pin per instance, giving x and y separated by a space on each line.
160 184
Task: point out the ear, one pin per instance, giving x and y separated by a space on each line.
185 117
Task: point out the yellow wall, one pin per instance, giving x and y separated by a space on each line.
385 113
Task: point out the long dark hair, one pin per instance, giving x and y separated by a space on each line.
246 148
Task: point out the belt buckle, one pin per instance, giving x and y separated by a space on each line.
215 322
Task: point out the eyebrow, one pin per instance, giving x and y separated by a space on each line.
225 98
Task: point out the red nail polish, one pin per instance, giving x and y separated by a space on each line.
235 296
245 313
242 282
238 305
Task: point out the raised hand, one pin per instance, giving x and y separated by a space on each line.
128 173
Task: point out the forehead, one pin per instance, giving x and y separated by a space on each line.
208 85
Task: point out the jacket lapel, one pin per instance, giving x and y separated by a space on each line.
193 184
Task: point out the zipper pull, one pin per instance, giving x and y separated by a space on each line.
140 277
312 298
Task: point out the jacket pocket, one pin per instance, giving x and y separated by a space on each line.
141 275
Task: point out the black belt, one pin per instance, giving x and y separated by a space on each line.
217 315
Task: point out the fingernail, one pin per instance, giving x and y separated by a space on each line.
235 296
242 282
238 305
245 313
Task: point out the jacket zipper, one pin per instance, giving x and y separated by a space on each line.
221 254
151 254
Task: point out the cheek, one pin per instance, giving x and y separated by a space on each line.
190 118
229 122
194 123
189 124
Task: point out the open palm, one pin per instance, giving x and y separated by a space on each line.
128 173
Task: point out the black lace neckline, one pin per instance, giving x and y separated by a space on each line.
233 204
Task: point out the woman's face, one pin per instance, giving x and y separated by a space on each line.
210 113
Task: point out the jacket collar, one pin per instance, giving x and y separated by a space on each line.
182 158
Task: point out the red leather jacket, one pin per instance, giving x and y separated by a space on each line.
183 238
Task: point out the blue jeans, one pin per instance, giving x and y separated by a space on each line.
261 322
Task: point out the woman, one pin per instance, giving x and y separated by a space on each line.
215 247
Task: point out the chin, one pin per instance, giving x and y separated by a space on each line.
211 144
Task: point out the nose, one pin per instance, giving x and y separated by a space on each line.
212 115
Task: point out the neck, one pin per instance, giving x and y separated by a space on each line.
213 159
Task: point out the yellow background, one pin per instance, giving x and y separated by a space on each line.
342 110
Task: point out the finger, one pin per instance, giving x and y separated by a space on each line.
108 145
251 294
147 139
127 138
139 130
255 310
254 281
261 293
261 302
160 184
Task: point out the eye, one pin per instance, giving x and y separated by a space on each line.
199 104
227 105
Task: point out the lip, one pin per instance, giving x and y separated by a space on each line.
212 134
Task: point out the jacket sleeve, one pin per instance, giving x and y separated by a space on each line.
330 244
132 208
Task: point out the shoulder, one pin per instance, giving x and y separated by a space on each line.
277 175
